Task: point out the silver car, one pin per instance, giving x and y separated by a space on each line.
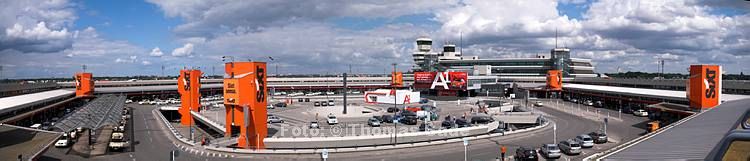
550 151
274 119
585 140
374 122
570 147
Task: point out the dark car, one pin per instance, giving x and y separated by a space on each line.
424 127
380 118
428 108
392 110
387 118
280 104
447 124
307 99
524 153
408 113
409 120
599 137
317 103
462 123
481 119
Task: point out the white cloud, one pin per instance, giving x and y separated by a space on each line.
156 52
146 62
40 32
208 18
185 50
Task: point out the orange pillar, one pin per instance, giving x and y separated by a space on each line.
704 86
554 79
245 94
188 85
84 84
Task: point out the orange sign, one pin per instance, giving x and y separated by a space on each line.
84 84
554 79
188 85
397 79
245 99
704 87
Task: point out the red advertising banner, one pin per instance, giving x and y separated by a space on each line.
424 77
441 80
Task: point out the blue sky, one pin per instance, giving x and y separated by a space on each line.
44 38
138 22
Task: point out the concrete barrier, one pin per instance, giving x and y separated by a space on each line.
174 131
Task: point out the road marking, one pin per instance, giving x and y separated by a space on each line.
202 153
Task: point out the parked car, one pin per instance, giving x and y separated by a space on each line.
574 100
588 102
425 127
63 142
392 110
524 154
409 120
270 107
387 119
323 103
585 140
274 119
412 108
314 124
280 104
538 103
570 147
429 108
598 104
550 151
374 122
423 101
330 102
447 124
481 119
599 137
640 112
332 120
316 103
461 123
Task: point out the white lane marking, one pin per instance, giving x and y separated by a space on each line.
202 153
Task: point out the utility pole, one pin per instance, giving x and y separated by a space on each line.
84 67
162 70
346 90
395 97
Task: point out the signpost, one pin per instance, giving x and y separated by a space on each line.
324 154
173 155
466 144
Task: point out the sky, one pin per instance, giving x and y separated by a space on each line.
56 38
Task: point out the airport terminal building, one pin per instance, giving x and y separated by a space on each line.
500 69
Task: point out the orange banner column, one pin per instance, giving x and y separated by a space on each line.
704 86
554 80
245 94
188 85
84 84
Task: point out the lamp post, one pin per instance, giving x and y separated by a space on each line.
395 97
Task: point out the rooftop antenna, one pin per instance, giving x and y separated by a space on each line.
461 43
555 37
84 67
